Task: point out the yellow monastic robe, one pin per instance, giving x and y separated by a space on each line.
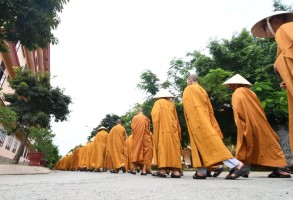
89 149
127 153
76 158
207 148
284 65
99 149
117 137
257 143
108 164
140 129
81 156
167 134
150 155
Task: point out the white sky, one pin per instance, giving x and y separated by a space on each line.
104 46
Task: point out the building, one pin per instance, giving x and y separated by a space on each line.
18 56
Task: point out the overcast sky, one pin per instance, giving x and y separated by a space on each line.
104 46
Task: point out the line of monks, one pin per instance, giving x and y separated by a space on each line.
107 152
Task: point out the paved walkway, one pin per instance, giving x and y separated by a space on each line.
10 169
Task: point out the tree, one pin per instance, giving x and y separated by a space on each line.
29 22
34 103
42 141
149 83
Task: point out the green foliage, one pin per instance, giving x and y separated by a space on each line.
109 121
278 6
42 141
34 102
8 119
149 83
30 22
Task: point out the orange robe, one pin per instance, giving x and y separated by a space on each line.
167 134
108 164
150 155
99 149
89 149
117 137
284 65
76 158
81 156
207 148
257 143
140 129
127 153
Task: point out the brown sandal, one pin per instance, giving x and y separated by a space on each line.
236 173
196 176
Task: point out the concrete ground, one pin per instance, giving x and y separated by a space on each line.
92 185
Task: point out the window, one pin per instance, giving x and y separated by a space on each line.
2 136
14 146
2 75
9 142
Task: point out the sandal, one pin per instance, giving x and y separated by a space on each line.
155 173
132 172
218 171
288 169
276 174
196 176
236 173
161 175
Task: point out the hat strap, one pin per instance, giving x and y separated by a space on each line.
270 27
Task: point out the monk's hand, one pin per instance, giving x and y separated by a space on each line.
283 85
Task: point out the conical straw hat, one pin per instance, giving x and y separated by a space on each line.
102 128
237 79
259 28
163 93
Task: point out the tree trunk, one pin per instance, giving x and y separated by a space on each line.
20 149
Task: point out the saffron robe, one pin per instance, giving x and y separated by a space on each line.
99 149
81 156
117 137
127 153
257 143
284 65
207 148
76 158
108 161
87 161
140 129
167 134
150 155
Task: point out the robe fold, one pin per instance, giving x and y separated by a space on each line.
257 143
99 149
284 65
207 147
166 134
140 130
127 153
117 137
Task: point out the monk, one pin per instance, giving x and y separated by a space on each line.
99 149
166 135
117 137
280 26
207 148
127 155
140 129
82 156
76 158
108 164
150 158
87 161
257 143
